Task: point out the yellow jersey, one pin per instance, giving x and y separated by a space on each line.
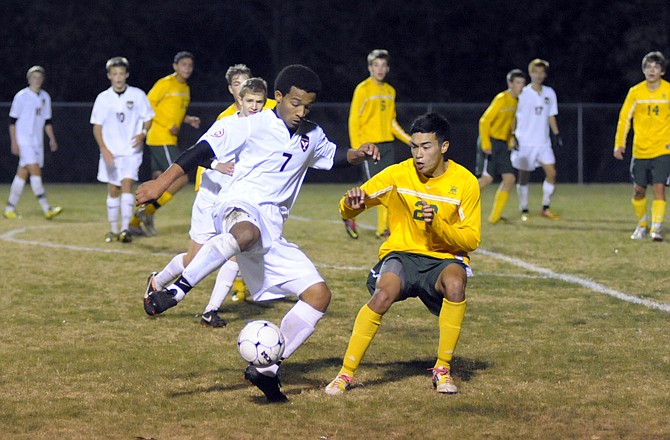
456 228
650 112
169 99
372 116
496 122
231 110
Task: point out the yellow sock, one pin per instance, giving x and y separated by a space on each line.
134 221
498 205
450 320
365 328
640 209
382 219
657 211
198 177
150 209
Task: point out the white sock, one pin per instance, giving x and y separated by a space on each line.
213 254
15 192
127 205
547 191
522 192
113 204
224 281
38 190
298 325
171 271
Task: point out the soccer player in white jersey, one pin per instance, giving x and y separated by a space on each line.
252 97
275 149
121 117
535 117
29 118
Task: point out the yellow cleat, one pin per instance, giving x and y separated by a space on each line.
546 213
442 381
11 215
338 385
53 212
239 290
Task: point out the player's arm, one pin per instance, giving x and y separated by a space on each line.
465 234
155 96
623 125
358 199
193 121
12 136
107 155
485 123
354 156
49 130
557 141
398 131
357 103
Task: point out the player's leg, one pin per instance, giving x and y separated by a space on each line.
639 170
451 284
113 209
548 188
224 281
127 205
501 198
522 160
659 178
387 151
15 192
500 163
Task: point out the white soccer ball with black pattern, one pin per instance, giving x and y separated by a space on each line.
261 343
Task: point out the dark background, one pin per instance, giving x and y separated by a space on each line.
443 53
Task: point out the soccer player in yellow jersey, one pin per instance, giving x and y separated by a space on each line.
372 118
496 140
435 218
169 97
648 105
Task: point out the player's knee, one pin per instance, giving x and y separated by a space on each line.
382 299
451 284
317 296
246 234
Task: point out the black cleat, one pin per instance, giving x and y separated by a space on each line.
150 284
125 236
212 319
269 385
157 302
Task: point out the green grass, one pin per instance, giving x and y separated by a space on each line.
539 357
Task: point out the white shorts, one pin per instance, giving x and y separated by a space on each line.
202 223
125 167
274 268
528 158
30 153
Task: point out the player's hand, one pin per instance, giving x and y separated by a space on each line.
53 145
428 212
370 151
513 143
355 198
15 149
486 151
108 157
226 168
148 192
193 121
138 140
174 130
557 140
618 152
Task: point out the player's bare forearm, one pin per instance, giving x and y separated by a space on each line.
365 151
618 153
153 189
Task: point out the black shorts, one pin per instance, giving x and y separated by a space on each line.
387 151
645 172
496 163
162 156
419 275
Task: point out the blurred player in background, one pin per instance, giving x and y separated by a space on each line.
372 118
496 141
169 98
648 105
536 127
29 118
252 95
121 116
435 212
275 150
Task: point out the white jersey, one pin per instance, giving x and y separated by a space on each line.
31 111
212 181
122 117
272 162
532 115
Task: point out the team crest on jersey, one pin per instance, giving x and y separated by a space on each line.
453 190
130 104
304 142
44 101
218 133
546 100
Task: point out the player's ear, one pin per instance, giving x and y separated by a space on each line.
445 146
278 96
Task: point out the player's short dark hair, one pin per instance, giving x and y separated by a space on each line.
513 74
117 62
381 54
237 69
655 57
254 85
182 54
432 123
298 76
34 69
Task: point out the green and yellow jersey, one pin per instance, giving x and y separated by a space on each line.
496 122
372 116
650 112
231 110
169 99
456 228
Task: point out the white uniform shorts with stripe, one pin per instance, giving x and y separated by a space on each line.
202 223
273 268
125 167
528 158
30 154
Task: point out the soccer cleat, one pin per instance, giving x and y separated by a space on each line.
157 302
269 385
338 385
150 285
442 381
212 319
383 235
656 234
110 237
350 227
52 212
239 290
525 216
11 214
137 231
125 236
640 233
147 221
547 213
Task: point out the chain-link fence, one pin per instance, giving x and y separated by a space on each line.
586 157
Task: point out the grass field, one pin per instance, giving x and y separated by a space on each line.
551 348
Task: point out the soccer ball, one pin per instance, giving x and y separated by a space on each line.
261 343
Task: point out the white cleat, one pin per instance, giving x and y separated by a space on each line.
640 233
